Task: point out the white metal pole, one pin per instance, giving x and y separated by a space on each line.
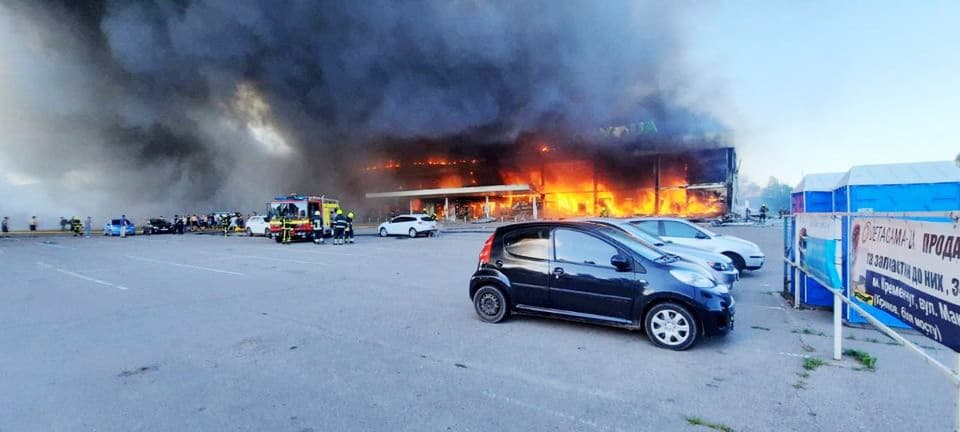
837 326
535 207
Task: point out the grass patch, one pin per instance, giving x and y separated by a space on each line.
812 363
697 421
868 361
803 374
760 328
808 331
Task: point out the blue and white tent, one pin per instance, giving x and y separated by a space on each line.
814 194
894 188
922 186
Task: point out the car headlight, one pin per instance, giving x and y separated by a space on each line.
720 266
693 279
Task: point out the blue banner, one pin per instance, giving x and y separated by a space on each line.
819 257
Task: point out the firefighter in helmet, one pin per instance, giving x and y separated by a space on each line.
317 222
339 227
349 232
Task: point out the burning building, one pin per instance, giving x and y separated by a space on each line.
541 177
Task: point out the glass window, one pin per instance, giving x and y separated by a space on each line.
401 219
530 243
428 218
580 248
679 229
628 240
648 226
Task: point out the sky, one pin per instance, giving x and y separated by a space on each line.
812 87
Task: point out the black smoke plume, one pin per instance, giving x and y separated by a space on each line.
169 106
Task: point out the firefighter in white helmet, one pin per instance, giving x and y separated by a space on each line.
317 221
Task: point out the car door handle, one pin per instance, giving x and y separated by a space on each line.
557 272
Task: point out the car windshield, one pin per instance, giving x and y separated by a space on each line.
115 222
644 249
641 234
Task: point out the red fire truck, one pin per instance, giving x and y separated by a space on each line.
298 210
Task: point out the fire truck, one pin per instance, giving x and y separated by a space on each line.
298 211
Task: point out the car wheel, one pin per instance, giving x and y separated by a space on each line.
670 325
383 232
249 232
738 261
266 232
491 305
412 233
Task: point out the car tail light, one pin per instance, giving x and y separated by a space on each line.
487 249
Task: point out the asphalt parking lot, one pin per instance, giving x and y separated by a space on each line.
198 332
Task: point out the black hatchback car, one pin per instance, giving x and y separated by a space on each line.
592 273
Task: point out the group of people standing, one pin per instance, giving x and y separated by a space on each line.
78 227
340 223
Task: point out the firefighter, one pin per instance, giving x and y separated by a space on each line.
317 221
76 226
763 213
349 231
339 226
287 232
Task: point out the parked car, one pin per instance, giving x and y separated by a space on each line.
726 272
592 273
746 255
157 226
112 228
409 225
258 225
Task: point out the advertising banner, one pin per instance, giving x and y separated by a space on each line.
910 269
818 246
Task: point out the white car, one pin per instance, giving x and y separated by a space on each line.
409 225
746 255
258 225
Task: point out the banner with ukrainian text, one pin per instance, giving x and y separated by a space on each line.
910 269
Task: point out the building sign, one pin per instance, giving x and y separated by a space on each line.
818 248
911 270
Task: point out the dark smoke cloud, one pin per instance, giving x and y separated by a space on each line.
140 107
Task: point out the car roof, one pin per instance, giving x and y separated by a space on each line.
585 225
658 218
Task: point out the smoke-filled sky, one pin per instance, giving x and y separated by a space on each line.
154 108
159 107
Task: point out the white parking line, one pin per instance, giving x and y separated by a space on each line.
80 276
273 259
184 265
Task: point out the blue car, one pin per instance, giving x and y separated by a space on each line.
112 228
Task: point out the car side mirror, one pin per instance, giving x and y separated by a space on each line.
620 262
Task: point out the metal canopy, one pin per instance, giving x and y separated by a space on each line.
474 191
